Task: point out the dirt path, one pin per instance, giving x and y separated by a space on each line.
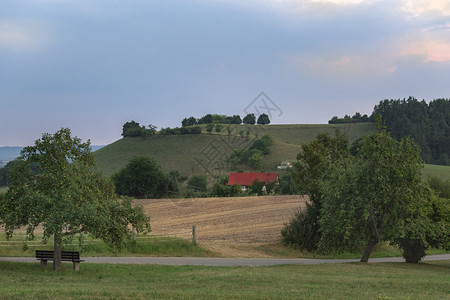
223 221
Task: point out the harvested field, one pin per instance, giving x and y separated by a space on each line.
234 220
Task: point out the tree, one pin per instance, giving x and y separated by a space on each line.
263 119
218 128
141 177
249 119
68 192
209 127
256 158
375 195
189 121
311 171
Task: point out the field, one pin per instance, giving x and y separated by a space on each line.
328 281
227 226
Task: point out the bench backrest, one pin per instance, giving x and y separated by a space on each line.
65 255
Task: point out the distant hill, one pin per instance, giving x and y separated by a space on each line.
208 153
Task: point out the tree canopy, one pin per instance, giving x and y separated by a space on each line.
141 177
66 193
362 195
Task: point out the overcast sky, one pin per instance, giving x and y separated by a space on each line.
92 65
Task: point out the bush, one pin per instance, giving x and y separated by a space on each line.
412 250
303 229
440 186
256 158
197 183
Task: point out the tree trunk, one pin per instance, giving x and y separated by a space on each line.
57 252
369 248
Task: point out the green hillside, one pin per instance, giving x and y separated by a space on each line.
203 153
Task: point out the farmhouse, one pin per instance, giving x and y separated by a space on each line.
247 179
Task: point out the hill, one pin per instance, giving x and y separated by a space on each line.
208 153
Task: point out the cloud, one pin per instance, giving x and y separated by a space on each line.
427 7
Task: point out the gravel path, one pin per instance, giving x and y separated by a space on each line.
209 261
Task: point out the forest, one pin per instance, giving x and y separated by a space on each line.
427 123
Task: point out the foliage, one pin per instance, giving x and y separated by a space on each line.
218 128
197 183
263 119
362 195
375 195
249 119
254 155
209 127
189 121
182 130
256 158
257 188
356 118
428 124
302 229
5 178
440 186
311 171
134 129
68 192
287 185
141 177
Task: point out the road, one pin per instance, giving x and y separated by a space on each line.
223 262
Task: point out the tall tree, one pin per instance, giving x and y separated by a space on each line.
375 195
67 196
263 119
249 119
141 177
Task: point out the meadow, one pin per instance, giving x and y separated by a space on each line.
337 281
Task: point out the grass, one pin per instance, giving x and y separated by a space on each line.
435 170
327 281
145 245
166 149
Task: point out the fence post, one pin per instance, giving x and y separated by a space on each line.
194 238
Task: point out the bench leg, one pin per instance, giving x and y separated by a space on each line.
43 264
76 266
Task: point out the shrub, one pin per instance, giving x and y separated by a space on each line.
412 250
197 183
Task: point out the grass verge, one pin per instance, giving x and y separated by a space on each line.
145 245
343 281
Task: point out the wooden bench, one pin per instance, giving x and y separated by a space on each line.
46 255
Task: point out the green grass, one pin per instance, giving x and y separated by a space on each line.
328 281
435 170
145 245
179 152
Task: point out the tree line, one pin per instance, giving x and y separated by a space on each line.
427 123
249 119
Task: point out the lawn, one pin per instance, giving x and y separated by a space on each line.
343 281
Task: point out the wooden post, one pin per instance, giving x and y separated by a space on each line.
134 233
194 238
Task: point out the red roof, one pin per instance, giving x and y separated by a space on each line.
249 178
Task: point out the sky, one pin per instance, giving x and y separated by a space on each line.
92 65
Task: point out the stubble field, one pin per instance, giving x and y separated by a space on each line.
223 223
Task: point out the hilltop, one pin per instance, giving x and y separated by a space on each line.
208 153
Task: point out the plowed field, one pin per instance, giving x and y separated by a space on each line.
234 220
